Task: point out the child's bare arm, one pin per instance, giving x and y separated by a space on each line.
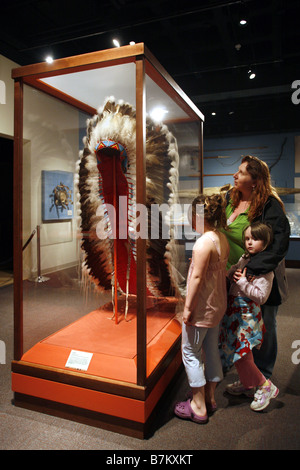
201 257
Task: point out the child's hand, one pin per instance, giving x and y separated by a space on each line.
239 274
186 315
250 279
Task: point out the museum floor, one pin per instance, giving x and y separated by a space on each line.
233 426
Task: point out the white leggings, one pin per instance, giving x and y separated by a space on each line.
194 338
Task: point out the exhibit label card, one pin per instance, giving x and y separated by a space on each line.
79 360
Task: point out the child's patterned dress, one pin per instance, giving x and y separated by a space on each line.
242 327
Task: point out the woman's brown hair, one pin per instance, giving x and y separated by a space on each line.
260 174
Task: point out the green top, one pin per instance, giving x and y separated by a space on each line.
235 234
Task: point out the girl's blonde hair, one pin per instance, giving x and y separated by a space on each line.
214 209
260 174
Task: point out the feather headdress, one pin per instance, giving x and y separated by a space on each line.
107 170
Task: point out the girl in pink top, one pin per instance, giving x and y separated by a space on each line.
205 305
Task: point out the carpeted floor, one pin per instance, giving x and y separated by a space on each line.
233 427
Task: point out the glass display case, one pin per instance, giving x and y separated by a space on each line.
99 264
293 214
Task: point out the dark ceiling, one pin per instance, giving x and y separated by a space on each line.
200 43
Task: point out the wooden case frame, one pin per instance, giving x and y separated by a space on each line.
145 394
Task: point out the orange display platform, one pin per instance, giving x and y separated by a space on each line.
106 394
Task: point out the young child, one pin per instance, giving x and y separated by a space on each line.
205 305
242 327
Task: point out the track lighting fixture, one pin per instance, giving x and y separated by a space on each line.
251 74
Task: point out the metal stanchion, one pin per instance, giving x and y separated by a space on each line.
39 277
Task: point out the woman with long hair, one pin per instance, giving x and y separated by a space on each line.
252 199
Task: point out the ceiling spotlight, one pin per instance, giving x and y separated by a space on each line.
243 22
251 74
132 43
49 59
213 114
116 43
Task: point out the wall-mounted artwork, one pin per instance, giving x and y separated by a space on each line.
57 195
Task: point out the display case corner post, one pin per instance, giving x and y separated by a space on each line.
17 218
201 157
141 199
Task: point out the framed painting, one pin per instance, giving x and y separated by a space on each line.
57 195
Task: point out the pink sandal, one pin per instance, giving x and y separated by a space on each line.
210 407
184 410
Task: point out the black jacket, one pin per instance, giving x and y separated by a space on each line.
269 259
